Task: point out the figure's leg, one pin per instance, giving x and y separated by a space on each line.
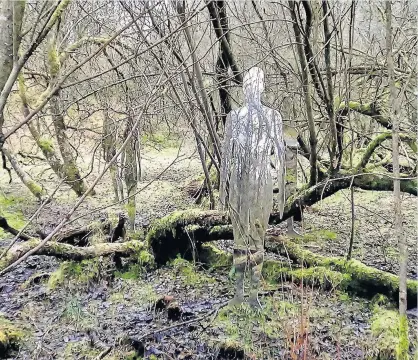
240 264
259 222
256 264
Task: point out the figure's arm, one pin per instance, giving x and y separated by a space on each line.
280 159
227 153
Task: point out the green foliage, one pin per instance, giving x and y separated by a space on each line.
10 209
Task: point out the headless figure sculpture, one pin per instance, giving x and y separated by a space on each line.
250 134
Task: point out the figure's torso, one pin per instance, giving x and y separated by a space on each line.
252 135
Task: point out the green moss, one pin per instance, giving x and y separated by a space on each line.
380 300
320 276
161 139
35 189
131 210
22 87
80 350
80 273
344 297
46 145
10 209
403 343
57 13
143 261
215 257
189 274
319 236
53 60
167 225
242 326
10 336
385 328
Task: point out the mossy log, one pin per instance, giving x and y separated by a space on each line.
365 280
70 252
10 337
80 236
318 270
367 181
183 231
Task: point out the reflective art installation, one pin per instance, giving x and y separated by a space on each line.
246 186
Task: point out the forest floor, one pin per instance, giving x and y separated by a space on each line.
59 305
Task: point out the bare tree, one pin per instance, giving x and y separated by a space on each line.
394 114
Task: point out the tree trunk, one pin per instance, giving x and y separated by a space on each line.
6 49
69 169
45 145
132 172
395 99
307 96
109 148
36 189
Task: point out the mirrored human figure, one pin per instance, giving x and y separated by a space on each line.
246 185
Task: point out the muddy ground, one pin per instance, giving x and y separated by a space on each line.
61 308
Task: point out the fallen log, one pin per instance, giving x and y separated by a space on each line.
328 272
365 280
182 232
70 252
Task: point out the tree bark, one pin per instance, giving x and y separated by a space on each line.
395 99
307 96
6 50
69 168
36 189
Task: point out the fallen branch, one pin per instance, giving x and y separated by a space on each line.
6 227
70 252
